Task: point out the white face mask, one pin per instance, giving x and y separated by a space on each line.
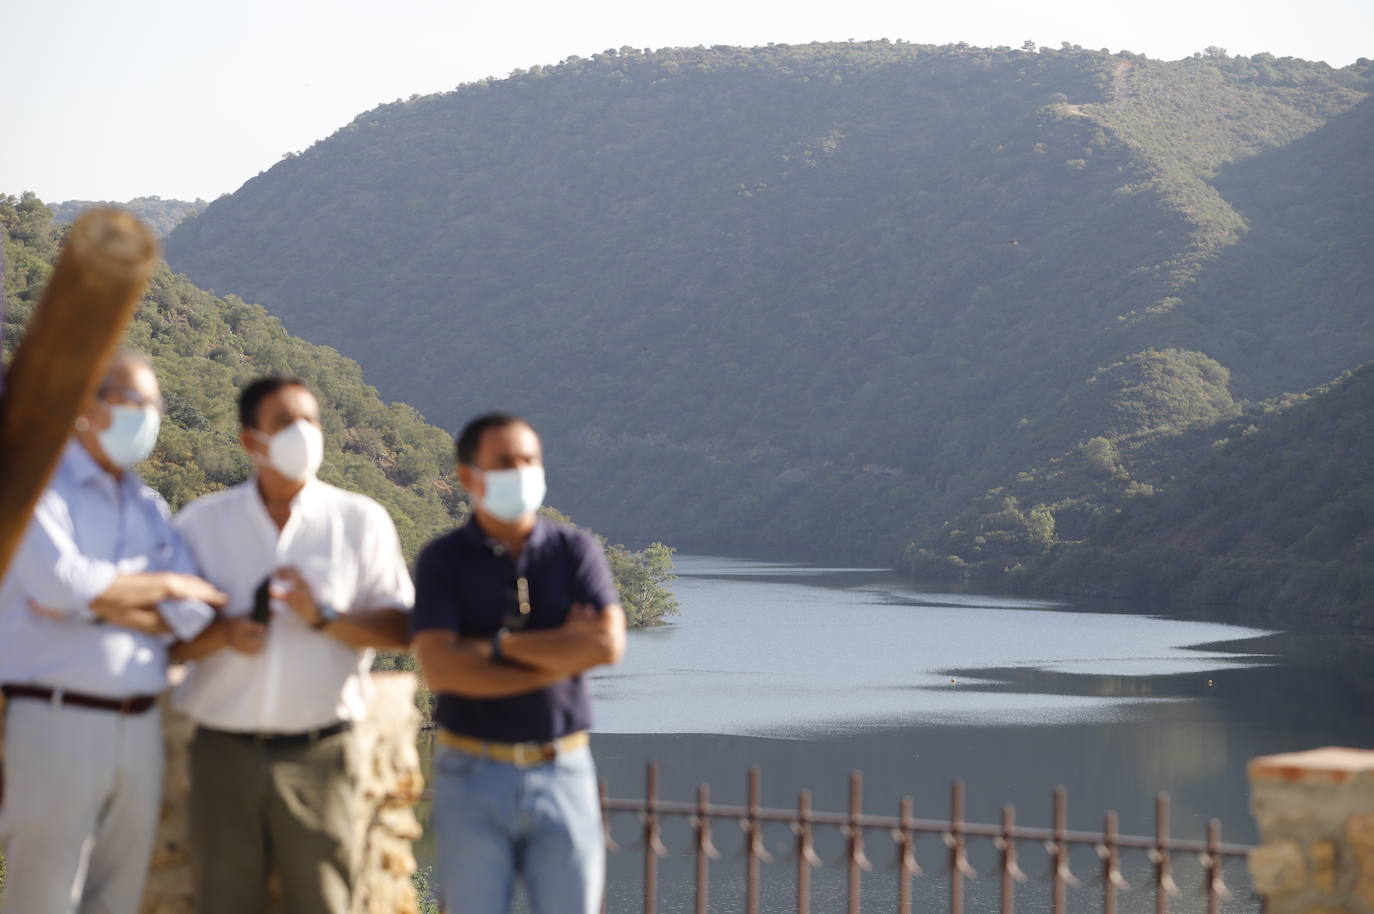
131 435
512 494
296 451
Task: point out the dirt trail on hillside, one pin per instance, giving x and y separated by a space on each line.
1120 92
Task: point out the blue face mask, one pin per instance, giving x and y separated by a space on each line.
511 494
131 435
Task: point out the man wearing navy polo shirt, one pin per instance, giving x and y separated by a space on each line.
510 610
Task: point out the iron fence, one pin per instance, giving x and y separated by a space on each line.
856 827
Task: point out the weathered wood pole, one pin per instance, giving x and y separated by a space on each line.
105 265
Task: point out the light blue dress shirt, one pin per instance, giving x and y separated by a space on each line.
88 528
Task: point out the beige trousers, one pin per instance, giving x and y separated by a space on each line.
258 809
82 789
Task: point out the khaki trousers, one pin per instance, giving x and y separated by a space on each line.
259 809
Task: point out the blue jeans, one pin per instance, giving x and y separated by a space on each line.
495 822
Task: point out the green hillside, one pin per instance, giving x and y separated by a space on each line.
206 348
1272 510
821 299
161 215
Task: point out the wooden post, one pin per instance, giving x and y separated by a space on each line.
105 265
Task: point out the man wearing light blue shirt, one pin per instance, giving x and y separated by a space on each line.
100 587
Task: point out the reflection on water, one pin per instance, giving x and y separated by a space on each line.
811 673
795 652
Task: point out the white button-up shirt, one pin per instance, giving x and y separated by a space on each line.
346 548
88 528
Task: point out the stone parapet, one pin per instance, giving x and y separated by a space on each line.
1315 812
390 784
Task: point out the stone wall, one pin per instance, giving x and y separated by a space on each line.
1316 820
390 783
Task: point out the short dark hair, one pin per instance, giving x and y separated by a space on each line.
470 438
257 391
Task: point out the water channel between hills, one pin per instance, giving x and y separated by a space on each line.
811 673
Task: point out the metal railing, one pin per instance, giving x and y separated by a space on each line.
903 830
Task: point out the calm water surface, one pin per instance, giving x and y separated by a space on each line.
812 672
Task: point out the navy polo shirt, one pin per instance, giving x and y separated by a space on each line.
468 583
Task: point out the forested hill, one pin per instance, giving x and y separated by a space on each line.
821 299
206 348
1271 510
161 215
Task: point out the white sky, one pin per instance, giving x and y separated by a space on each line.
190 98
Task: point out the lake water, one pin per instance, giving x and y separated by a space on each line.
811 673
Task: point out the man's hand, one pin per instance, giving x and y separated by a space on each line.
387 628
289 586
189 587
245 635
238 632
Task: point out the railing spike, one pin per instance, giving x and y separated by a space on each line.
705 850
959 868
1213 867
653 845
907 867
854 844
1162 854
611 845
1011 870
753 844
806 853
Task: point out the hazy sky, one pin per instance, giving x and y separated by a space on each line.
189 98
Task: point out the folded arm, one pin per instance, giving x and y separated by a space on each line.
61 582
588 638
451 665
135 618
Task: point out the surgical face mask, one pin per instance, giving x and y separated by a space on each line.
296 451
131 435
512 494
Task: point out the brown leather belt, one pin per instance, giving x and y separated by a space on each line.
521 755
134 704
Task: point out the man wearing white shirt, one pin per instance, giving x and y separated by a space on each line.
272 788
99 586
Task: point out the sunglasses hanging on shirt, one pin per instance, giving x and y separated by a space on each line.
521 617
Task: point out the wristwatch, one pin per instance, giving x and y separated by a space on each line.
327 614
